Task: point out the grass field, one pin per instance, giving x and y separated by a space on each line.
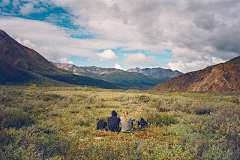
60 123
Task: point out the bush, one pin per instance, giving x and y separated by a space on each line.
161 119
226 122
202 110
14 118
52 145
48 97
144 98
158 105
223 130
234 100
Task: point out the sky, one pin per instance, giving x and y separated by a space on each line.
183 35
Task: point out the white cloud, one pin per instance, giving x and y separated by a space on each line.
27 8
176 65
30 7
117 66
15 3
107 55
26 42
64 60
194 65
4 3
19 40
139 59
217 60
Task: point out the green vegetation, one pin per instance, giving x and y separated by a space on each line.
60 123
13 75
124 79
131 78
114 75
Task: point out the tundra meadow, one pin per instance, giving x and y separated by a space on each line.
60 123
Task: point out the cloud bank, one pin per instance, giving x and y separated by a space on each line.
139 59
196 32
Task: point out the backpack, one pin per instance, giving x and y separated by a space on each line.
143 123
101 124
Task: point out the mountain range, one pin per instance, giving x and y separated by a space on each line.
159 73
149 77
20 65
224 77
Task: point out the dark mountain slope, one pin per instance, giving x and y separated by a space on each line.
18 55
13 75
218 78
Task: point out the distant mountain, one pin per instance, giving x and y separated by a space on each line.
223 77
111 74
20 65
159 73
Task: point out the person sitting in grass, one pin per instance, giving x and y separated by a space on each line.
113 122
127 122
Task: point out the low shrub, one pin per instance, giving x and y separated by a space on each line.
202 110
14 118
226 122
52 145
5 99
234 100
144 98
161 119
48 97
82 121
222 128
160 108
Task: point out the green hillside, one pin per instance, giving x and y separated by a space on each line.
131 78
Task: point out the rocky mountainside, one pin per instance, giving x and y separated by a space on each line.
20 65
20 56
92 71
224 77
111 74
157 72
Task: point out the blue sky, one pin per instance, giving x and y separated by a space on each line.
179 35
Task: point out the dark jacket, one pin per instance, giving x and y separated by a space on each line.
113 122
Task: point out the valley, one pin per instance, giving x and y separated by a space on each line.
60 123
50 111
